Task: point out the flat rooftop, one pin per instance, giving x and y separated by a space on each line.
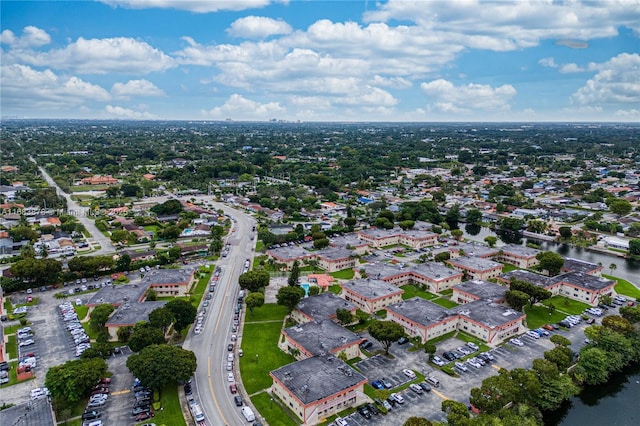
580 279
32 413
371 289
346 240
434 271
118 294
577 265
166 276
489 314
475 263
132 313
323 305
379 232
288 252
381 270
318 377
475 250
334 253
521 251
522 275
420 311
481 289
322 336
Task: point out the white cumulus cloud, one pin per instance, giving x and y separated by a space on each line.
616 82
24 87
136 88
446 97
258 27
238 107
31 37
127 114
548 62
99 56
196 6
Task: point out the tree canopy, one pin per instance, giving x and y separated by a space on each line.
289 297
254 280
183 311
159 365
386 332
74 379
550 261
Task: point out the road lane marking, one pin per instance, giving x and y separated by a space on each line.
213 395
226 291
439 394
122 392
497 367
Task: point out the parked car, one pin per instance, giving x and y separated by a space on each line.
233 388
387 384
377 384
438 361
472 362
473 346
425 387
465 350
403 340
397 397
364 411
238 400
409 373
533 334
416 388
460 366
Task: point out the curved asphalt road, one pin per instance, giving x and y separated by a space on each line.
81 213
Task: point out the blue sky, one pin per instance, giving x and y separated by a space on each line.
394 60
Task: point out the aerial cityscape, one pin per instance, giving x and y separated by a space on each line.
291 213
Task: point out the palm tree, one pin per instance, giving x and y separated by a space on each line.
613 267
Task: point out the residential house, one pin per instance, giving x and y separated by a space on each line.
319 307
335 259
470 291
476 268
520 256
319 338
371 295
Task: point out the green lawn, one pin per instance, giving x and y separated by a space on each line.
259 247
345 274
12 347
335 289
445 303
447 292
566 305
202 286
82 311
267 312
272 411
411 291
624 287
538 315
171 413
261 355
508 268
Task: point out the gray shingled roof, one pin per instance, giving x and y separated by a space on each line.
371 288
323 305
318 377
32 413
484 290
322 336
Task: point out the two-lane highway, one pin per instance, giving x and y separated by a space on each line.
211 385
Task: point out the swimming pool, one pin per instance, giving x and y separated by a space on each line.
305 287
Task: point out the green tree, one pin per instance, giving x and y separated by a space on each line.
289 297
145 335
321 243
457 412
630 313
123 263
386 332
593 366
406 224
344 316
554 388
457 234
453 216
161 318
74 379
183 311
350 222
254 300
620 207
417 421
44 271
561 356
511 224
559 340
120 236
99 316
169 207
254 280
124 333
474 217
442 256
491 240
551 262
152 295
536 226
536 294
612 268
516 299
565 232
294 275
634 247
160 365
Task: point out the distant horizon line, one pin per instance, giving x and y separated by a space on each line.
277 121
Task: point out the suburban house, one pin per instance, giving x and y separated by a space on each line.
319 307
318 387
99 180
520 256
289 254
476 268
470 291
488 321
371 295
318 338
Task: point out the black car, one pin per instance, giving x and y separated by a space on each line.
91 415
140 410
392 401
449 356
187 389
373 409
403 340
364 411
238 400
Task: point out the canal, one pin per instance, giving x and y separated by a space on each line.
625 268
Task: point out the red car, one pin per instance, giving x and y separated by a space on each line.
233 388
144 416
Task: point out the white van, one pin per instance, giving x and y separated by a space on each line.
248 414
197 413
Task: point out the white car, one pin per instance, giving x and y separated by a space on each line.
473 346
472 362
438 361
416 388
27 342
230 377
465 350
533 334
410 374
461 366
516 342
37 393
397 397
